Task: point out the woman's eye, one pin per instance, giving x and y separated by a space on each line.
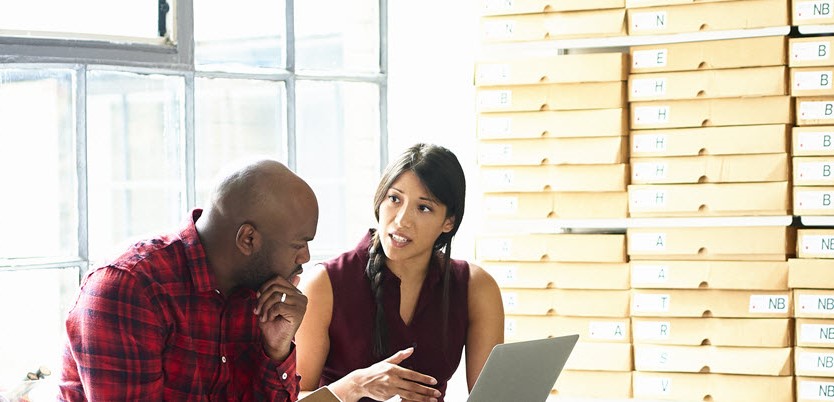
393 198
425 208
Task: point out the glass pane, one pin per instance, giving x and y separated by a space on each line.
61 18
337 35
338 154
236 119
135 157
239 35
34 304
39 211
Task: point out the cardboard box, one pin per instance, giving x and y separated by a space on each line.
811 273
503 7
761 243
562 25
528 301
729 275
580 383
709 55
525 98
813 200
522 328
810 51
322 394
710 169
812 332
749 332
710 303
815 111
813 141
562 275
552 247
559 178
556 205
725 83
812 389
554 124
813 170
712 387
812 81
712 112
553 151
718 16
655 3
591 303
568 303
814 303
811 12
815 243
590 67
732 140
713 359
814 362
599 356
726 199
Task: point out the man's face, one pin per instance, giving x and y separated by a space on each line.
282 252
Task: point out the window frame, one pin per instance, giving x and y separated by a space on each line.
175 58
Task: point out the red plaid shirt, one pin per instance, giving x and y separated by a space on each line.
153 326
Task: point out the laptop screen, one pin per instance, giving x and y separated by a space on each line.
522 371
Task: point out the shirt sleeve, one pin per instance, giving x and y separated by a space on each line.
280 380
116 339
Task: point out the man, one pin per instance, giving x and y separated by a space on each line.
208 313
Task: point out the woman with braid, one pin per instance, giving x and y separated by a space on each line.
392 316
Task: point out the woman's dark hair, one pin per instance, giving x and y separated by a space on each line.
440 172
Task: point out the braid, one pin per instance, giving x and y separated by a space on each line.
447 268
374 273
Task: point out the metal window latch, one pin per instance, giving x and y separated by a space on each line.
161 27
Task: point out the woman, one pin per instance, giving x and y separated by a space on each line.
392 316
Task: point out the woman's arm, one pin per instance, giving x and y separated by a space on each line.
486 321
312 339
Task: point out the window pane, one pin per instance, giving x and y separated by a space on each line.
39 211
135 158
34 304
338 154
239 35
344 37
236 119
130 18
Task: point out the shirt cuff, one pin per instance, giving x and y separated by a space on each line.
282 375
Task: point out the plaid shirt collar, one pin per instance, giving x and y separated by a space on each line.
201 275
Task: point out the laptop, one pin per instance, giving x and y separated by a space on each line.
522 371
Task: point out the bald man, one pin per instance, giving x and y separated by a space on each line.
206 313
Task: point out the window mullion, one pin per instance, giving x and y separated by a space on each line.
292 160
81 165
189 144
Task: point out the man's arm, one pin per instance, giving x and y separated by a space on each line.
115 340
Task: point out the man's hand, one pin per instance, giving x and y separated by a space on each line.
280 309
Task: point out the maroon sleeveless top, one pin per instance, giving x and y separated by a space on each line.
352 322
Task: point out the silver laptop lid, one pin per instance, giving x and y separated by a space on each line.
522 371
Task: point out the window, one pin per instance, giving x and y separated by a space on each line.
115 119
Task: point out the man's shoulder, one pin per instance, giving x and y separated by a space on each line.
157 259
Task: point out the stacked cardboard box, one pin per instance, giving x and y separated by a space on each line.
812 278
812 12
709 124
553 136
561 284
711 313
531 20
657 17
812 70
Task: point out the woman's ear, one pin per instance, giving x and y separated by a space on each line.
448 224
247 239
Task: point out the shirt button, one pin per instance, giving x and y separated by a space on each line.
223 359
217 290
284 376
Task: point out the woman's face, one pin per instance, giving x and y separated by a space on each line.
410 220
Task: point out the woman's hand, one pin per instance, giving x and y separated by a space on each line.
387 379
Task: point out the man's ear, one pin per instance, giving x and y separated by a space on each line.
248 239
448 224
